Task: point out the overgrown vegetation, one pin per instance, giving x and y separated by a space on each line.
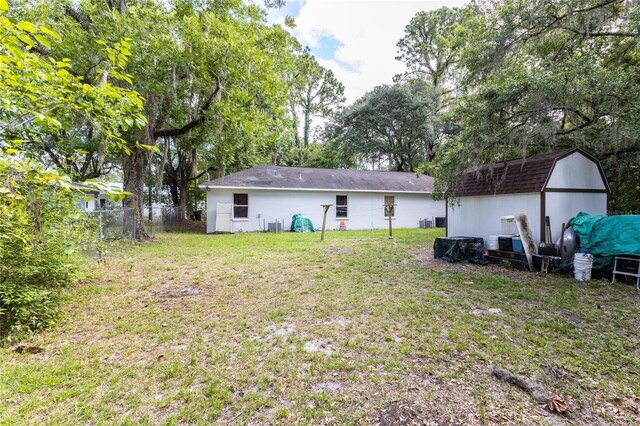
40 234
284 329
40 230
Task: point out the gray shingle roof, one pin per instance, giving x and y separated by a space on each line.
85 188
300 178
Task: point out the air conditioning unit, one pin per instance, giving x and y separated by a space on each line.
426 223
274 227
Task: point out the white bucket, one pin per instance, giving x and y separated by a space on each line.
582 265
493 242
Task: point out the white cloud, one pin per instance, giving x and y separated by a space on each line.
368 30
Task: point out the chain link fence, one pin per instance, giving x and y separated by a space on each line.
170 218
115 224
118 225
165 219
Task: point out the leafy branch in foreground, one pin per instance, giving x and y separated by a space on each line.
41 232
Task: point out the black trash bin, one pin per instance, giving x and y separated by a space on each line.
197 215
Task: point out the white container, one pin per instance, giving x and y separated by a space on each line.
508 225
582 266
492 243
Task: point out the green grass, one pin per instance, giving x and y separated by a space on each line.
284 329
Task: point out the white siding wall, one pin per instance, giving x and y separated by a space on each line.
88 204
562 206
366 209
576 172
479 216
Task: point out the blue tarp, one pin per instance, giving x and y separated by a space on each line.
607 236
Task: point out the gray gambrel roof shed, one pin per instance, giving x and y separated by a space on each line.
555 184
306 178
517 176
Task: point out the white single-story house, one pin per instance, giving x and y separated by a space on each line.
90 201
252 199
97 199
558 184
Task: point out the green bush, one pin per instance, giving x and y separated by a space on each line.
41 233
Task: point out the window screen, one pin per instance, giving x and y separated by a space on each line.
240 206
390 200
342 210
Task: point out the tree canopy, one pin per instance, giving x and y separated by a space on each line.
315 92
212 75
430 46
393 125
541 75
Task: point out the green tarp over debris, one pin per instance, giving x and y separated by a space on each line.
607 236
300 223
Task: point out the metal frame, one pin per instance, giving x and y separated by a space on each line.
629 274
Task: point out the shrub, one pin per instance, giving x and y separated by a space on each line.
40 235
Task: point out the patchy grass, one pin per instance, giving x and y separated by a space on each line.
281 329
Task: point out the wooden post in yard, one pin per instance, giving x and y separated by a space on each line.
324 219
388 208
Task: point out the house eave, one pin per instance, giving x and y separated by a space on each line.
262 188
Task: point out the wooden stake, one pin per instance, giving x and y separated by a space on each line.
388 208
324 219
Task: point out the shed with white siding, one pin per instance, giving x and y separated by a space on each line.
251 199
558 184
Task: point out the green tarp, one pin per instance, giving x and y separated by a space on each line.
300 223
607 236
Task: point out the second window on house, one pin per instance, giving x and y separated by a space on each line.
342 209
389 206
240 206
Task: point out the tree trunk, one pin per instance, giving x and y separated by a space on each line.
182 176
171 178
161 165
194 176
183 198
296 133
134 167
173 189
307 131
150 203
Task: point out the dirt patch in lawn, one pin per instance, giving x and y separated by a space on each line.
175 292
404 413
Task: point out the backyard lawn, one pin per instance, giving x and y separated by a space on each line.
283 329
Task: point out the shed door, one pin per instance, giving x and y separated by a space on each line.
223 217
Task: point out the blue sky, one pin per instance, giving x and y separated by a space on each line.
356 39
291 8
327 46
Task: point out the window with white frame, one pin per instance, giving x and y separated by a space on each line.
342 208
240 206
389 200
